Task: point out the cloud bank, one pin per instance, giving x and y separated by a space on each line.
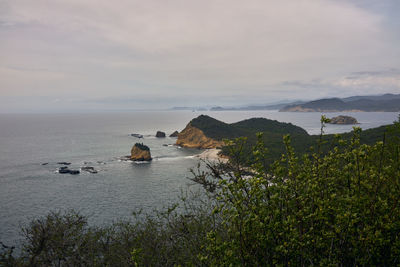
224 50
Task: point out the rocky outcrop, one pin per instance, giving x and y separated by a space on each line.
193 137
137 135
174 134
140 152
89 169
343 120
160 134
64 170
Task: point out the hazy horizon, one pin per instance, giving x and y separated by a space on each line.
83 55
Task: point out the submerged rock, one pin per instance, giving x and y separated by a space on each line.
89 169
174 134
343 120
66 170
160 134
63 170
64 163
137 135
140 152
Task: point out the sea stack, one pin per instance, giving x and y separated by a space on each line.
140 152
160 134
343 120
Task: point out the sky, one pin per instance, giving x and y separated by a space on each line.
69 55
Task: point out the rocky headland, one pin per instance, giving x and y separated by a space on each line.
193 137
140 152
205 132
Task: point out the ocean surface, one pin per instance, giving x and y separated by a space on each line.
29 189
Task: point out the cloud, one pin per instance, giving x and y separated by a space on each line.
355 83
191 48
378 81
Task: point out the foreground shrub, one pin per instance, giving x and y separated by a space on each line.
336 208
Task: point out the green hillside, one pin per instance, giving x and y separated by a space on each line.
219 130
273 132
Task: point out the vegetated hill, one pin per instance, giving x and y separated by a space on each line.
266 125
219 130
372 97
387 102
273 132
318 105
214 128
209 129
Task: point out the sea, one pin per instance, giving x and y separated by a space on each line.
32 145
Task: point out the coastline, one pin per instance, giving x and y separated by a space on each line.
212 154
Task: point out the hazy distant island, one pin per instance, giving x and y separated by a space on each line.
368 103
257 107
381 103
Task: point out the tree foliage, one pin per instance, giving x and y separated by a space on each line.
335 208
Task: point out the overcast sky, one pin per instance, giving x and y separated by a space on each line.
102 54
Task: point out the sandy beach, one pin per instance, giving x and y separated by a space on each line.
212 155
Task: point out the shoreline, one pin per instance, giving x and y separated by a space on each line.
211 154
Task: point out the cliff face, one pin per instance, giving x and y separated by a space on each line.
193 137
140 154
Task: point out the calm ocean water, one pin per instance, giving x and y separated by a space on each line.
29 189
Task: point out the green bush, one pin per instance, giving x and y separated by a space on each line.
335 208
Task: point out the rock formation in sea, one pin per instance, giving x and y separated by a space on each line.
137 135
65 169
160 134
174 134
343 120
140 152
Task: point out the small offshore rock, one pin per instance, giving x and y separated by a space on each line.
45 163
343 120
160 134
174 134
66 170
140 152
63 170
137 135
89 169
64 163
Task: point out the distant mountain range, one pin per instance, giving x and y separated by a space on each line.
257 107
385 103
